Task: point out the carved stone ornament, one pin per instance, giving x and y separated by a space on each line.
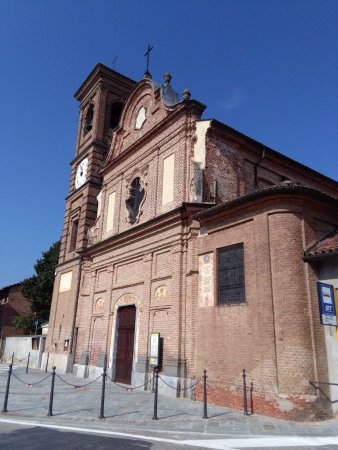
135 193
140 118
99 304
161 293
128 299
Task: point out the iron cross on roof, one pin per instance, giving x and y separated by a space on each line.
147 54
114 61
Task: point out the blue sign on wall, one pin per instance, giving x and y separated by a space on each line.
327 305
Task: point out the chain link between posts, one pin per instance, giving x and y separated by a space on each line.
131 388
30 384
181 388
78 385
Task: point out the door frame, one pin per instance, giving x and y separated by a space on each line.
124 300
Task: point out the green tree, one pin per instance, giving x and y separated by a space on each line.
25 323
39 287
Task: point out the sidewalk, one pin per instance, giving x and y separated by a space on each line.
132 411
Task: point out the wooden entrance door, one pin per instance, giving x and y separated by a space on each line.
125 344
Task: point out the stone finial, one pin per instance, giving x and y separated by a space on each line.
147 74
186 94
167 78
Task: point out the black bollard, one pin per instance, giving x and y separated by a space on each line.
245 400
47 362
51 397
12 359
205 405
153 382
155 394
4 409
29 355
251 398
104 374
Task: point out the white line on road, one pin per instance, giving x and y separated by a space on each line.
217 444
265 441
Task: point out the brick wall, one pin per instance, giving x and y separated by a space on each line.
276 334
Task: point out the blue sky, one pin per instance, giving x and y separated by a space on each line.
265 67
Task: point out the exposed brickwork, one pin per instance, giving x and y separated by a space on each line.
153 263
269 334
12 304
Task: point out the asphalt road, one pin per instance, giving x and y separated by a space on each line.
17 437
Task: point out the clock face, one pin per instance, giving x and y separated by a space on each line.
81 173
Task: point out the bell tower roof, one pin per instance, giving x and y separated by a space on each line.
102 73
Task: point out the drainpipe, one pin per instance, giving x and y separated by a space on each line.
75 309
255 169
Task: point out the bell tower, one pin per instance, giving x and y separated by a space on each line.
101 96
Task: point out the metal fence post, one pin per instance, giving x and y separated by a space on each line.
4 409
104 374
47 362
51 397
155 395
29 355
205 405
12 359
245 400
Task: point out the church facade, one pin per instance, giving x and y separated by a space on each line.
185 227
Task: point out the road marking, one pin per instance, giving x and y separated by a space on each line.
264 441
5 368
217 444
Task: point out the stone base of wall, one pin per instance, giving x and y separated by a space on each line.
62 362
298 408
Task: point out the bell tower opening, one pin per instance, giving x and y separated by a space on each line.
115 114
88 122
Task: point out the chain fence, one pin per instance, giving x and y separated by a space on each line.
153 381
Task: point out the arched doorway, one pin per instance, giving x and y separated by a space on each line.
125 343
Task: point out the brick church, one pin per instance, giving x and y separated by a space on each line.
183 226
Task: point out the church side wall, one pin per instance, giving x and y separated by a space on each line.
275 334
235 167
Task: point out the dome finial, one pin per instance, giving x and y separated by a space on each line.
186 94
167 78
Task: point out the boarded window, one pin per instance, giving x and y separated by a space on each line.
231 283
35 343
65 282
168 180
110 212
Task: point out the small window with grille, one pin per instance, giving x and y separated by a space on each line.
231 282
73 236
